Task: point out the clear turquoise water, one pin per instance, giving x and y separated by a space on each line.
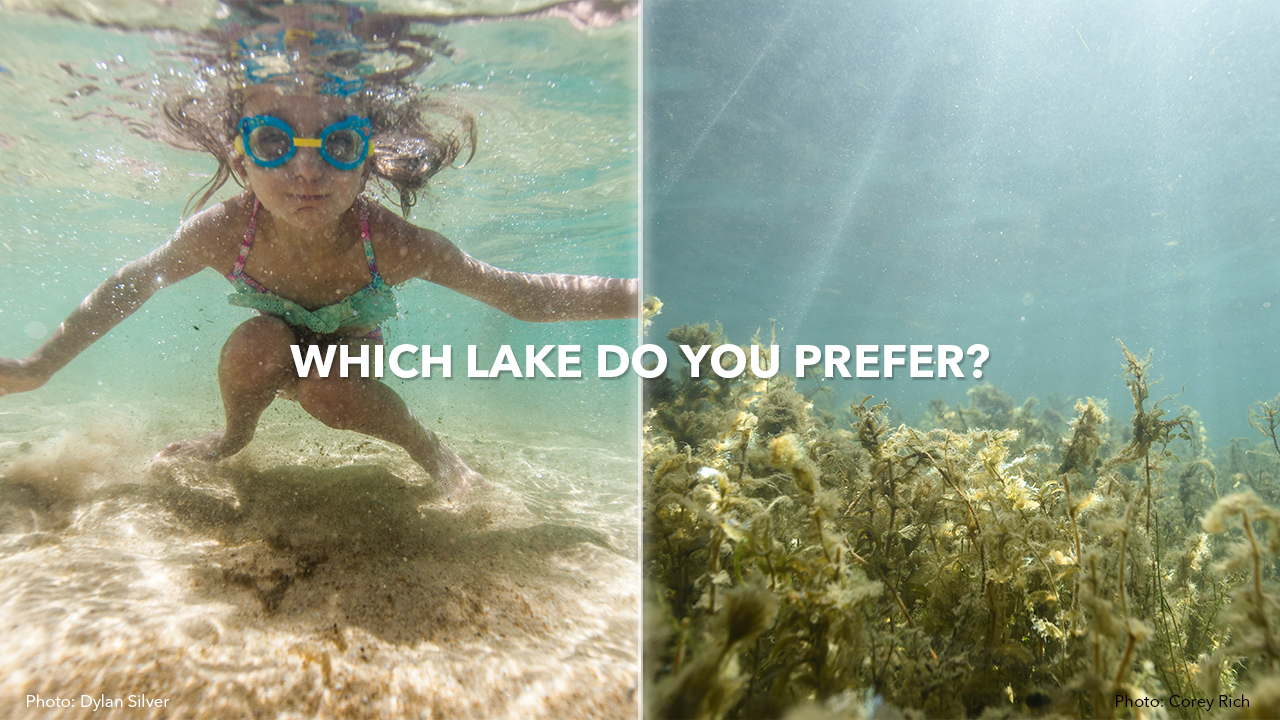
521 601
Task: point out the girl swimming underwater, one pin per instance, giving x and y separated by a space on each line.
318 259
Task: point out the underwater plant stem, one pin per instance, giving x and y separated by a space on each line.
849 511
822 536
1123 668
888 656
982 553
1150 490
1167 618
682 581
1256 556
1124 543
1266 419
717 538
1204 465
1146 466
973 517
893 511
897 598
1124 661
682 646
1075 532
1095 583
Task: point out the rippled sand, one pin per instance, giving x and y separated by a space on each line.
321 574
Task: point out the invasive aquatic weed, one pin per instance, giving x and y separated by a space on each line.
996 559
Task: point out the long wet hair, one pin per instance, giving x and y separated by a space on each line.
412 138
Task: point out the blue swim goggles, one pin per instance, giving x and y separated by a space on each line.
270 142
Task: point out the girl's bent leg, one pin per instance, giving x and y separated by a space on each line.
255 364
367 406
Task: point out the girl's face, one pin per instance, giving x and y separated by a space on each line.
306 191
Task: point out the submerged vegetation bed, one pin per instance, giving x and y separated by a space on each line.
993 560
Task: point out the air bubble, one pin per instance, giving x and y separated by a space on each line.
36 330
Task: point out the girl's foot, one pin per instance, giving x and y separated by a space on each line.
204 447
454 476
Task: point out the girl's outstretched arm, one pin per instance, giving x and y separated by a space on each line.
543 297
114 300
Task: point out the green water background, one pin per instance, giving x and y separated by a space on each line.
1044 179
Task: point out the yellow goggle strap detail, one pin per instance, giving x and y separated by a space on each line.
299 142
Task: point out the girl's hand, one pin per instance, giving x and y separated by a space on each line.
19 376
195 247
